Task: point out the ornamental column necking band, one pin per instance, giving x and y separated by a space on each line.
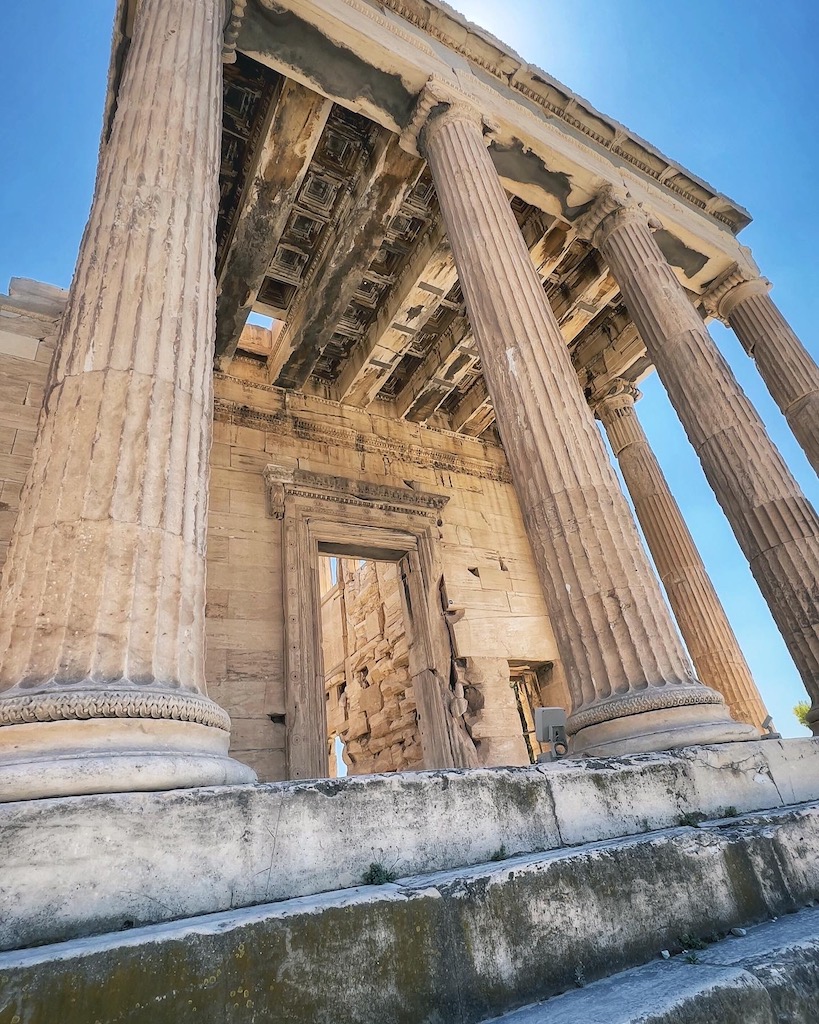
632 685
702 620
102 606
776 526
740 297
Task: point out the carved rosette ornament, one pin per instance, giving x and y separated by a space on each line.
739 297
702 620
102 607
775 525
632 685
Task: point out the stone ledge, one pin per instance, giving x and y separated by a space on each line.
142 858
455 946
767 977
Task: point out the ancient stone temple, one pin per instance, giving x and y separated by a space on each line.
305 476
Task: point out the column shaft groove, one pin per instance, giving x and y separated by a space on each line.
702 620
775 525
102 604
616 638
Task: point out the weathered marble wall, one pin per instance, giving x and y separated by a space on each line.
488 569
370 700
28 326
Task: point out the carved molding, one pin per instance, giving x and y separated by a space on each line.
737 283
235 17
617 394
654 699
82 705
286 424
439 103
282 483
523 85
611 205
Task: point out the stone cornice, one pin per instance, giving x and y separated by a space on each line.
281 482
287 424
487 52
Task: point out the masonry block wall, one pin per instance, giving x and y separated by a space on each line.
489 574
370 700
29 318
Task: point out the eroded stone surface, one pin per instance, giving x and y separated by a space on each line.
159 856
454 946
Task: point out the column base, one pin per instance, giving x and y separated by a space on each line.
72 758
663 729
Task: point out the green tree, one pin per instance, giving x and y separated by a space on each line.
801 711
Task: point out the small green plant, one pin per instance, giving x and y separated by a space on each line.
691 958
691 818
580 975
801 711
378 874
689 942
730 812
500 854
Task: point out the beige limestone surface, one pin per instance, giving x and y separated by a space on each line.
488 571
623 660
702 620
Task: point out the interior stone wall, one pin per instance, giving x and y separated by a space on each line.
26 350
489 574
370 701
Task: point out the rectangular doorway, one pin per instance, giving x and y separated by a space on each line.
371 712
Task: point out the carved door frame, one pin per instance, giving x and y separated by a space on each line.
322 514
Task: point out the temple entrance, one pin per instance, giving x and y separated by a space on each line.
371 714
390 684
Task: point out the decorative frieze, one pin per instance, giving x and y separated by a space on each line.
286 424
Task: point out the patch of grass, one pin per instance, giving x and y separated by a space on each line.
500 854
378 874
691 958
691 942
579 975
730 812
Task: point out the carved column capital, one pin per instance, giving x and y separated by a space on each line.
440 103
613 205
235 11
617 394
737 283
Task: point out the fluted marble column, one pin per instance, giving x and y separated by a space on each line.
775 525
102 606
740 298
702 620
632 685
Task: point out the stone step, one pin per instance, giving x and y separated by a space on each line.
768 976
168 856
455 946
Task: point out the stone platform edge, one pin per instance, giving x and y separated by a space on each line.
86 865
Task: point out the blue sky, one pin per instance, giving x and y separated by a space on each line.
726 87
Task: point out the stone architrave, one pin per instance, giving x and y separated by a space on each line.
775 525
102 606
740 298
702 620
632 685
